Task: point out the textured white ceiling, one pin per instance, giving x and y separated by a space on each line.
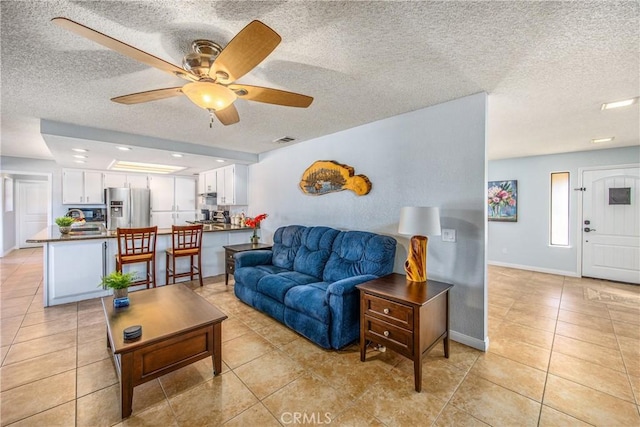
547 67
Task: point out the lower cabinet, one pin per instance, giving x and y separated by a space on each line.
74 270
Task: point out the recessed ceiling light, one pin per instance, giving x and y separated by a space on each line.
220 161
601 140
144 167
79 156
124 148
79 150
619 104
79 161
176 155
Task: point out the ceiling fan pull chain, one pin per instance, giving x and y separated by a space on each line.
211 122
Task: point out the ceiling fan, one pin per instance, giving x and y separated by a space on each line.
210 69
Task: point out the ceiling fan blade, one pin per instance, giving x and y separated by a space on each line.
246 50
228 116
150 95
271 96
123 48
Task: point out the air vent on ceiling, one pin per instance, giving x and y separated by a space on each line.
284 140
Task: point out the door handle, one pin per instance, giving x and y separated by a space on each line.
588 230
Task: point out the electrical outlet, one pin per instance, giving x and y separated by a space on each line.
448 235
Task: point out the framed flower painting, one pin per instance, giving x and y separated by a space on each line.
502 201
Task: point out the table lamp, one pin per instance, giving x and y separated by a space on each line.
418 222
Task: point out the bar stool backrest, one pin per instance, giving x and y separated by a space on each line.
136 241
186 237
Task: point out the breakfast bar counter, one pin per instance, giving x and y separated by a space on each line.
52 233
74 263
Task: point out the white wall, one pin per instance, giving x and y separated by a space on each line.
525 243
430 157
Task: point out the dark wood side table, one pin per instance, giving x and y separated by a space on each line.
231 250
407 317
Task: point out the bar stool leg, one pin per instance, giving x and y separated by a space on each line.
153 270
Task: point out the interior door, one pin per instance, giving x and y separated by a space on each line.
33 205
611 224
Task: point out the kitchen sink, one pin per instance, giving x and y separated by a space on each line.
84 230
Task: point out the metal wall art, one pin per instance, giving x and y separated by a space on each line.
328 176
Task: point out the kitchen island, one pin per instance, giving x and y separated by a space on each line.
74 264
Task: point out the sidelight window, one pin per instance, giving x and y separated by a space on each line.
560 209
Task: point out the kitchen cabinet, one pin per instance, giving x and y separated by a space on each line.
120 180
82 187
162 193
207 182
173 200
231 185
185 194
75 269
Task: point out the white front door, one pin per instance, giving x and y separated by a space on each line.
33 204
611 224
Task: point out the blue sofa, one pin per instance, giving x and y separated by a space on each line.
308 279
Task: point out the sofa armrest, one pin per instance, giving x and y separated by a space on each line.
348 285
253 258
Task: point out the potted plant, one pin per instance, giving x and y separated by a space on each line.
64 224
119 282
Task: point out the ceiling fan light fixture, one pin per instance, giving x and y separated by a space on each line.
209 95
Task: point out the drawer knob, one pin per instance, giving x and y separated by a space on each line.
385 311
385 333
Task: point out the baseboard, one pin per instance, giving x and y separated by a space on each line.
470 341
5 253
536 269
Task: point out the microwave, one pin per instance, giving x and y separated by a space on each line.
90 214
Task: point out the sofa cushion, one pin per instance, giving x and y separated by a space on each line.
359 252
314 251
250 276
309 299
277 285
286 242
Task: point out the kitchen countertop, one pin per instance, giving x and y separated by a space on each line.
52 233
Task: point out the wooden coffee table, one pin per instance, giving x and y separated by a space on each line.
178 328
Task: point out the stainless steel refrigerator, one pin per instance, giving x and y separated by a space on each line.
128 207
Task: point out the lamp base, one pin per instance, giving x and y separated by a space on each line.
416 263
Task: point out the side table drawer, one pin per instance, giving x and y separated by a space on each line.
397 314
397 339
231 266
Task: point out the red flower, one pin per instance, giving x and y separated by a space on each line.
255 222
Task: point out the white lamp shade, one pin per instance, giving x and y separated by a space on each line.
419 221
211 96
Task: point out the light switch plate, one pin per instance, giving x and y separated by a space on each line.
448 235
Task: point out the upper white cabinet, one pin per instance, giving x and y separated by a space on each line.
162 193
169 193
207 182
119 180
82 187
185 194
231 185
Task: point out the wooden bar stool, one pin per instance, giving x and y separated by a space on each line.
186 241
137 245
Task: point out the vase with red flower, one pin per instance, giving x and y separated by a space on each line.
255 224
